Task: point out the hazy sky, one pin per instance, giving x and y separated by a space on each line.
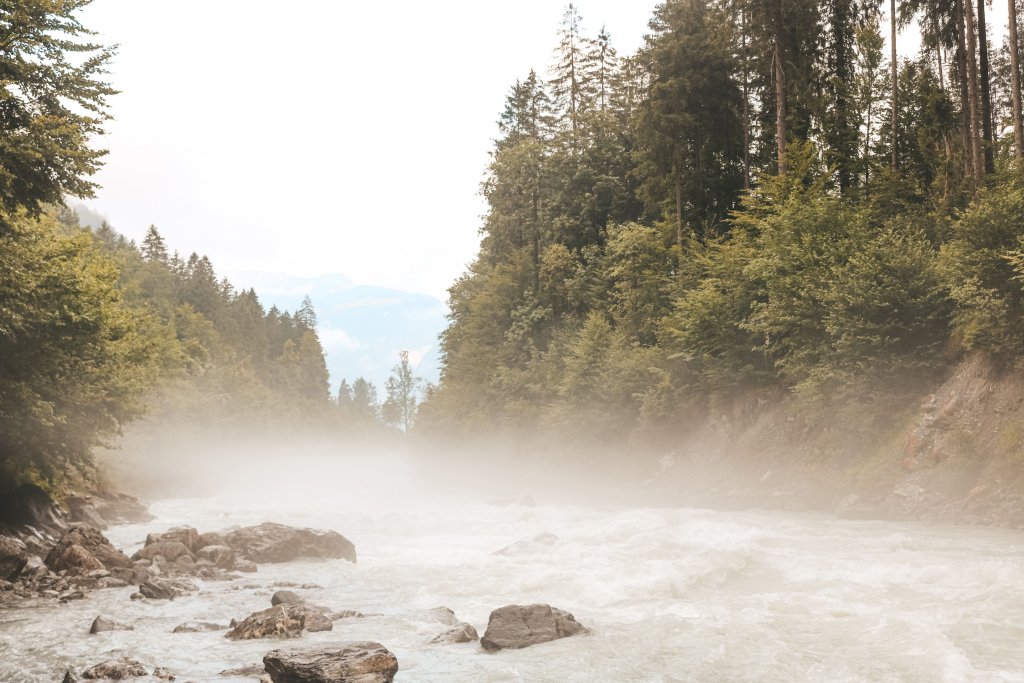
317 136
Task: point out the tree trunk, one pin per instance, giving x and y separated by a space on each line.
1018 124
895 80
840 40
961 67
780 96
972 84
986 92
746 100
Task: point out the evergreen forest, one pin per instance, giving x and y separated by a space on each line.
762 204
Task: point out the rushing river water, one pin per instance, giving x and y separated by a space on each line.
670 594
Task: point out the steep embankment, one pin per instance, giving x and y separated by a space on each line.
956 455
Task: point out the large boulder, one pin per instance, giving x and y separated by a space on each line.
169 550
219 555
286 598
101 624
516 626
270 542
92 540
185 535
348 662
116 670
74 559
281 621
166 589
13 558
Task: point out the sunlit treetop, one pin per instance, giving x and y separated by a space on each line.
53 101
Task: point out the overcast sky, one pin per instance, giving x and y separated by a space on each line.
319 136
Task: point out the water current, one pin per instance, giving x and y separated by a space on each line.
671 594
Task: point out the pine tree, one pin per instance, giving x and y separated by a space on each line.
154 249
403 390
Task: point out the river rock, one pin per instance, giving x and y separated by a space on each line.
162 674
73 559
13 558
198 627
185 535
517 626
101 624
166 589
286 598
169 550
282 621
348 662
219 555
246 566
116 670
271 542
92 540
460 633
211 538
69 677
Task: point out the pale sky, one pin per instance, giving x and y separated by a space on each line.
320 136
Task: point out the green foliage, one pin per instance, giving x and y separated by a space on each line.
52 103
77 360
982 266
403 394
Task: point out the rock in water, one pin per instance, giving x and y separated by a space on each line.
171 550
220 555
460 633
163 589
350 662
516 626
69 677
116 670
286 598
92 540
185 535
101 624
282 621
74 559
198 627
270 542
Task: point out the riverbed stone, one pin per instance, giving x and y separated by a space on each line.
166 589
460 633
73 559
115 670
185 535
101 624
282 621
272 542
198 627
218 555
346 662
286 598
169 550
518 626
91 539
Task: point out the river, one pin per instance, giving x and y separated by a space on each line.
671 594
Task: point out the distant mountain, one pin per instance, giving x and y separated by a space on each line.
362 328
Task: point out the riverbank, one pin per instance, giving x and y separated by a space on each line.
954 455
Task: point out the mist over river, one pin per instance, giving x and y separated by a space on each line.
671 594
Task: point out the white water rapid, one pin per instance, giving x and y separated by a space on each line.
670 594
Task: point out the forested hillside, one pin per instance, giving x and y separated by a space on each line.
96 331
761 204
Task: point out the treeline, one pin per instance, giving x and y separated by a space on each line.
759 200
